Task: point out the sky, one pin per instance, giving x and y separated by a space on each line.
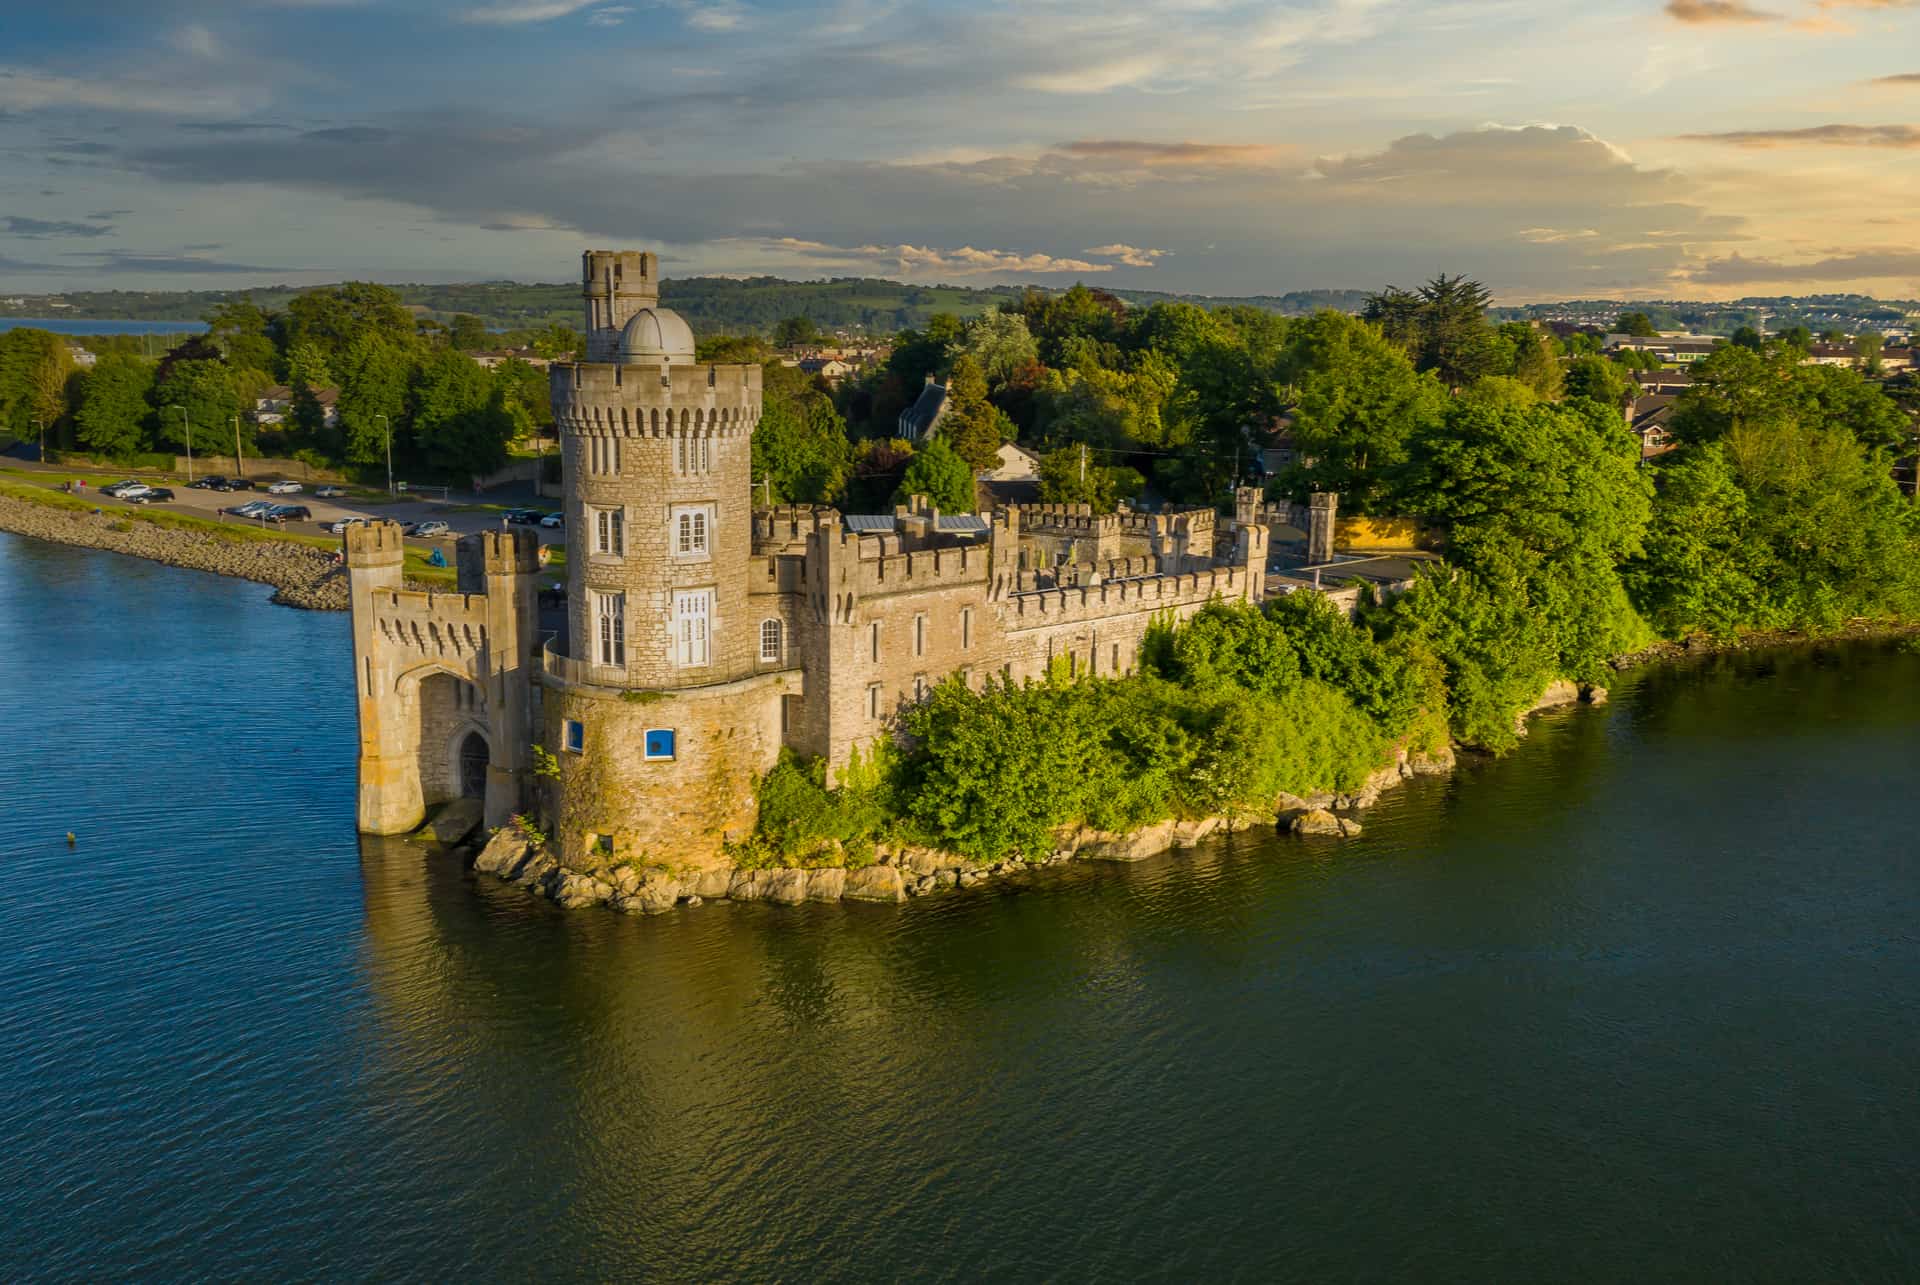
1607 149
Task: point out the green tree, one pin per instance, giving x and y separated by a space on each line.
243 332
1637 324
199 395
467 333
801 454
527 390
795 332
461 424
114 418
374 379
1596 379
1073 475
1357 403
307 376
1867 346
999 343
1749 338
332 317
941 475
972 425
34 368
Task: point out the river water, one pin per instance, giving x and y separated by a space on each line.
1635 1003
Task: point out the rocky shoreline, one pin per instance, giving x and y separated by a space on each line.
899 872
302 575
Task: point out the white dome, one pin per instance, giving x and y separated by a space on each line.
656 334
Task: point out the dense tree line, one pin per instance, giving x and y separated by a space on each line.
392 375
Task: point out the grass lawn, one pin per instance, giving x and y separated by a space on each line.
43 490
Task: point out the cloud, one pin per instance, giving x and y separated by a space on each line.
131 261
1093 77
25 89
1717 11
514 14
107 216
1859 265
1204 155
228 126
16 225
611 16
1554 236
1131 255
924 261
1892 136
1904 78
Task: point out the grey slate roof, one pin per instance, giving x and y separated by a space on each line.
861 522
917 420
961 523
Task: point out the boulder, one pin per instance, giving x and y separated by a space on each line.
744 886
711 883
829 884
1439 763
657 893
926 861
1349 828
1187 834
1562 691
971 878
1593 694
504 851
787 887
581 890
626 879
1147 841
875 883
1315 821
454 822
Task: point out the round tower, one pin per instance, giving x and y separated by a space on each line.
658 464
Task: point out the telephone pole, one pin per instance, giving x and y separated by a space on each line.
186 422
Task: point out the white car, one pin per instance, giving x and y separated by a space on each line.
339 527
427 530
554 520
331 492
251 509
133 492
284 488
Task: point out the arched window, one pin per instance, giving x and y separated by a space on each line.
769 641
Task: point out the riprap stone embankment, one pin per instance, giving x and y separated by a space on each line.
304 575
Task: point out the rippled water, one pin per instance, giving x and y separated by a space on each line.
1637 1002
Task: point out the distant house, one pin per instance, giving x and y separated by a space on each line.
1831 355
831 369
1895 360
81 356
919 420
1651 420
1663 381
1016 464
274 404
491 357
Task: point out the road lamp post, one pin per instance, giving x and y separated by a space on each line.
238 471
389 426
186 422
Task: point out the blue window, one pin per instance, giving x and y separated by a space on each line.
576 736
659 744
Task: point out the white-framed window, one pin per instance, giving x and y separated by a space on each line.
966 628
920 637
574 737
610 611
692 625
609 535
658 744
692 455
769 641
691 530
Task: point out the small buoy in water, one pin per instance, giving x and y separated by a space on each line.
70 839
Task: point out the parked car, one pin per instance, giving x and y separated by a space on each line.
284 487
331 492
149 495
428 530
239 484
554 520
523 517
289 513
339 526
251 509
114 489
209 484
132 492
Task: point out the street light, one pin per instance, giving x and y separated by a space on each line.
238 471
187 423
389 423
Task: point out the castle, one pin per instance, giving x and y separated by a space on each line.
702 635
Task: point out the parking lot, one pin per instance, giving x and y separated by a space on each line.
462 514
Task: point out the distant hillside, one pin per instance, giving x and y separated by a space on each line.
712 305
725 305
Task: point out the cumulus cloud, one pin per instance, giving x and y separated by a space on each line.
524 11
1893 136
20 226
1712 11
1132 256
924 261
611 16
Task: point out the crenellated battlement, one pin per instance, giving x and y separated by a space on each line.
375 544
1121 597
785 528
645 399
1079 520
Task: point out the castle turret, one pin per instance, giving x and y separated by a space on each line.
659 491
